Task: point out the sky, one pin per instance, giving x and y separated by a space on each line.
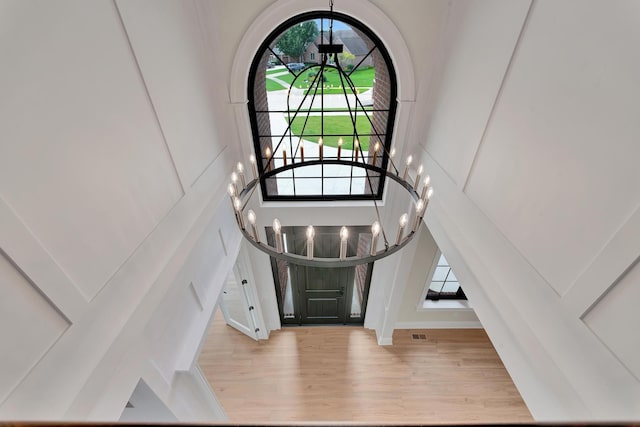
337 25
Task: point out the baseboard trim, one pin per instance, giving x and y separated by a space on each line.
385 341
430 324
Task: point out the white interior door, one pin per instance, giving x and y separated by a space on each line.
237 307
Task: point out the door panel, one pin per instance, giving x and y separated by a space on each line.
322 293
322 308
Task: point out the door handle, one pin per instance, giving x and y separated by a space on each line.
341 292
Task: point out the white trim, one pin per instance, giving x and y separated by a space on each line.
446 304
522 25
457 225
38 266
423 296
385 341
611 263
214 402
181 179
431 324
362 10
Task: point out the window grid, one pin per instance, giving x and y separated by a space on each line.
371 123
444 283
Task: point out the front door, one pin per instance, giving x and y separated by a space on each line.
318 295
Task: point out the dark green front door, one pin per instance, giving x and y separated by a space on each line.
317 295
322 293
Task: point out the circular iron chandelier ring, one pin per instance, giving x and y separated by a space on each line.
244 196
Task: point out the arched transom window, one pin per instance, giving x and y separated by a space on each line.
322 87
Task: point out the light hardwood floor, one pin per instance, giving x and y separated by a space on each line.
340 374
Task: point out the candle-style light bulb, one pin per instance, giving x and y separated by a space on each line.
406 168
418 176
344 233
344 236
267 153
251 216
320 147
427 181
252 160
234 181
240 168
429 193
419 214
376 147
231 189
339 147
301 149
310 232
310 235
375 231
237 206
404 218
356 146
391 156
277 229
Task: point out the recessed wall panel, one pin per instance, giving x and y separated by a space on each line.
464 103
185 89
83 162
557 171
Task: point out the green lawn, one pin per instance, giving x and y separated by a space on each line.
337 110
287 78
362 78
271 86
335 91
340 126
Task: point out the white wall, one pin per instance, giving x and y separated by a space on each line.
114 243
531 143
116 124
63 119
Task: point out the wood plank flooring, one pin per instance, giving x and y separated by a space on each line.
321 374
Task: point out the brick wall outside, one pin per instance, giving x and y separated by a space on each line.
381 98
264 125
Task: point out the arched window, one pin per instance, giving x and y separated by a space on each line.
322 87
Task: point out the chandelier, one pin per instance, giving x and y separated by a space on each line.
241 190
